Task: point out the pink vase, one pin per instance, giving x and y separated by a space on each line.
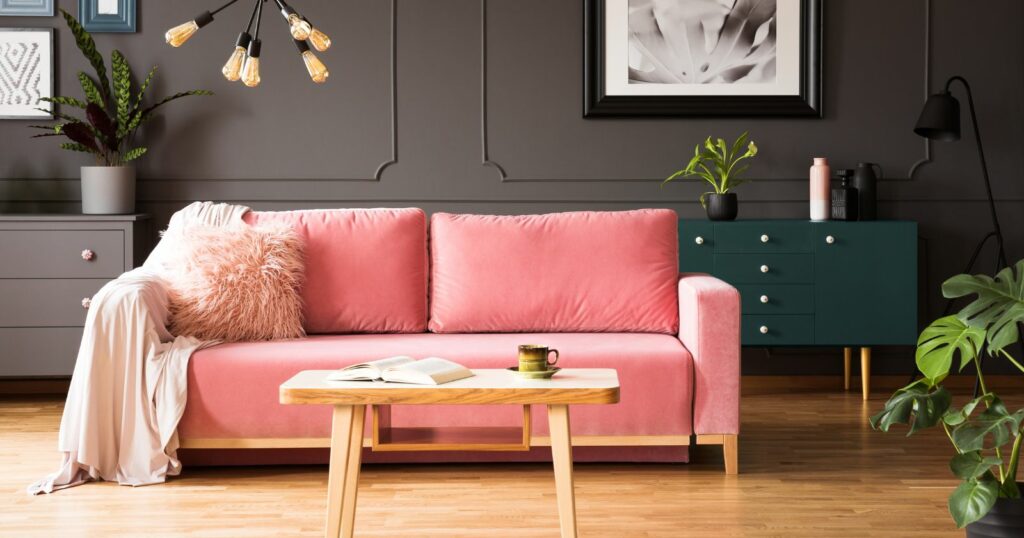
821 176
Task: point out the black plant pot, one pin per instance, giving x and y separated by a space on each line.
1006 520
722 206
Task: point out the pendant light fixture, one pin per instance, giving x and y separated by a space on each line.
244 62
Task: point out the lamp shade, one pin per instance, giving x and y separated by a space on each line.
940 118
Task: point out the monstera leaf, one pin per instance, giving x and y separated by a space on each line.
941 341
702 41
999 306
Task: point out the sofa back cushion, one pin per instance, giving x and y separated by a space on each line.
566 272
366 269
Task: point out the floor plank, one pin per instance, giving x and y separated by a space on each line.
811 467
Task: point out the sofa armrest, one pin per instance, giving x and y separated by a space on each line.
709 327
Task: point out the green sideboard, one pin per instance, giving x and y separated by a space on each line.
804 283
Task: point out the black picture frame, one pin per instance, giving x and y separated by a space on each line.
597 104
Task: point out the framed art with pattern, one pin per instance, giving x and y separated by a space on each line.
101 16
26 73
702 58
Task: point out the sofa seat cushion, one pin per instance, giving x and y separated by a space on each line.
588 271
366 269
233 388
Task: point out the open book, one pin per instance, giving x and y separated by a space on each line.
402 369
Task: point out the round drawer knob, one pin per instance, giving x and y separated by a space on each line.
88 255
765 238
86 302
764 329
699 240
764 299
764 268
830 239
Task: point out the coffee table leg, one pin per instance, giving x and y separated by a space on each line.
561 456
343 477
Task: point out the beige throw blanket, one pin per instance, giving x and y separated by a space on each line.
128 390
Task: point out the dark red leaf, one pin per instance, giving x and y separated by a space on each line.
80 133
99 119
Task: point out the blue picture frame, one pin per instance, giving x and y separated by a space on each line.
26 8
123 21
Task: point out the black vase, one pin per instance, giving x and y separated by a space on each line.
866 182
722 206
1005 520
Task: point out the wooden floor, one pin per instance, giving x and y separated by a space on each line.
811 467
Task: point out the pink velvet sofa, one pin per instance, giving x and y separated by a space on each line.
601 287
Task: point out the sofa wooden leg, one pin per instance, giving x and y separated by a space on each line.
731 451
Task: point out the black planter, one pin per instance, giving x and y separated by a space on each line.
1006 520
722 206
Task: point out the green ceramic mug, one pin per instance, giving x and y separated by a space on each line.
534 358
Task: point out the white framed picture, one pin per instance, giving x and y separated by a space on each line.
26 73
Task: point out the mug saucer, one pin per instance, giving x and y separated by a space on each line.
543 374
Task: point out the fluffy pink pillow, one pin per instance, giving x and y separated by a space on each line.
237 283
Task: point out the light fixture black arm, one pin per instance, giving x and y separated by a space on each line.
222 8
997 231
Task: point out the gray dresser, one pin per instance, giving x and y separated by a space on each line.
50 267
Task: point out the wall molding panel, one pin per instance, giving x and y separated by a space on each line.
487 160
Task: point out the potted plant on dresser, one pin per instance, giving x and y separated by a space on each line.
114 111
986 436
718 163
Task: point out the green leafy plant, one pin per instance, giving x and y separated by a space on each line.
716 162
983 429
113 111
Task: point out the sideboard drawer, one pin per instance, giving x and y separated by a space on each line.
59 253
763 236
765 268
768 330
35 351
47 302
777 298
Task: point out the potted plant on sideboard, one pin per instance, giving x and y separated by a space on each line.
986 436
114 112
716 163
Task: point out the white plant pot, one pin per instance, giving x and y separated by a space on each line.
108 190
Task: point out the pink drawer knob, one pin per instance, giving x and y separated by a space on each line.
88 255
86 303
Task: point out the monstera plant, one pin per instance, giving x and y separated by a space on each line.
985 434
114 110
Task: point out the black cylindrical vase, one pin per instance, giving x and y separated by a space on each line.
866 182
1005 520
722 206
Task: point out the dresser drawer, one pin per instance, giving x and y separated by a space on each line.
32 352
777 298
58 253
46 302
783 330
765 268
762 236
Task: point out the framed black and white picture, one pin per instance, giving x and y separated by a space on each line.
26 73
26 8
702 58
99 16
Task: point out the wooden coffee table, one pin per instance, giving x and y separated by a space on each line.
488 387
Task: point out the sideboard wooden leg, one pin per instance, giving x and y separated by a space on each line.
847 356
865 371
731 452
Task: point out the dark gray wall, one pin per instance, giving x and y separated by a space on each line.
404 121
